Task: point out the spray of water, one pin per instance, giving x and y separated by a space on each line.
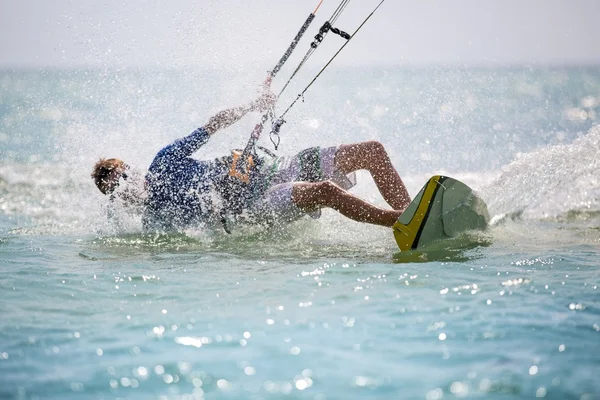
555 182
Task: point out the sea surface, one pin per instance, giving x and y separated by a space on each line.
323 309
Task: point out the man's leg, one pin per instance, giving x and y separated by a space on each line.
373 157
309 196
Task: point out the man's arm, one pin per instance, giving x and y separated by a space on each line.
230 116
185 146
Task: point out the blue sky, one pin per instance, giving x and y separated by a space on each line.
211 33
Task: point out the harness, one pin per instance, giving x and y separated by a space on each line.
239 189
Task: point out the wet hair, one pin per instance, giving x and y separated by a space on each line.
104 175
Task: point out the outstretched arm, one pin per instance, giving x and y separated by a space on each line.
185 146
225 118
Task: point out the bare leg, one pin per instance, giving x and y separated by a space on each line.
311 196
373 157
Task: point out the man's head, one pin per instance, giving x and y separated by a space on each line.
107 173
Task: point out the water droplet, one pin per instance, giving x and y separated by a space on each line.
301 384
533 370
435 394
222 384
459 388
361 381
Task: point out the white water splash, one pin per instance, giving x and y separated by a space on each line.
551 182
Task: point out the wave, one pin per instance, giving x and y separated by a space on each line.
559 182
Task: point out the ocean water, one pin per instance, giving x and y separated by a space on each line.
323 309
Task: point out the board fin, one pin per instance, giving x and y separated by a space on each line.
443 208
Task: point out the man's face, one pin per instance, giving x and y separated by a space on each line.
116 177
131 188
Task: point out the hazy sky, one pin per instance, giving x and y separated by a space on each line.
175 33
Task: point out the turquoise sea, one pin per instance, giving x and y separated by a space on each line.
324 309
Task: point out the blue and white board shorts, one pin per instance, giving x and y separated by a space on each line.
311 165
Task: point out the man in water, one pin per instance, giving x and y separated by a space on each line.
180 191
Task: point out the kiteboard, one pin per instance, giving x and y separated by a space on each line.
444 208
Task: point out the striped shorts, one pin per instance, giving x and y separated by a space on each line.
314 164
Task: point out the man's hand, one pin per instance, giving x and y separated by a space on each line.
225 118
